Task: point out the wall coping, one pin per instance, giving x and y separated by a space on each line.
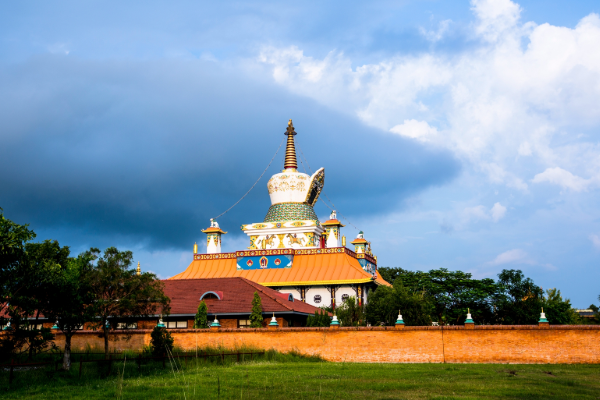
350 328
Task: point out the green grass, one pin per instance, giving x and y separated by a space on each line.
291 376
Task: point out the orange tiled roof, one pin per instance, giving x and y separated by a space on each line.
316 269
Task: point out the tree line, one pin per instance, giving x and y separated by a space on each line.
44 281
444 297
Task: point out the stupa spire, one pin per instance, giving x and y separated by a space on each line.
290 150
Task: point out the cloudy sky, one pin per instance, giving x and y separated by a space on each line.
455 134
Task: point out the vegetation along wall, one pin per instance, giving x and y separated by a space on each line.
455 344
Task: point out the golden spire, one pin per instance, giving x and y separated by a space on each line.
138 269
290 151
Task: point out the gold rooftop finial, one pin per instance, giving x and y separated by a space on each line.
138 269
290 150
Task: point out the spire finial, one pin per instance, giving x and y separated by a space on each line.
290 150
139 271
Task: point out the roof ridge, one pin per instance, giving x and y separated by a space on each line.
267 294
355 267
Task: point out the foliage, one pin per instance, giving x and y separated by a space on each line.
120 293
161 341
321 318
452 293
558 311
35 277
386 302
13 239
521 300
70 299
350 313
201 319
256 318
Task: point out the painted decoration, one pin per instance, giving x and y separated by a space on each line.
264 262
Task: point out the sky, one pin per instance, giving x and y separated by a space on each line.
455 134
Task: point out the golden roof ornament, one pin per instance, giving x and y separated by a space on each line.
290 150
139 271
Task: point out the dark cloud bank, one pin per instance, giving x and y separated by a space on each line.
130 153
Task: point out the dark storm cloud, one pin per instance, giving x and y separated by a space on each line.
147 152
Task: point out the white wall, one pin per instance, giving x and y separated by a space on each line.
342 291
323 292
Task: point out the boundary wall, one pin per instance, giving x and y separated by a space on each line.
559 344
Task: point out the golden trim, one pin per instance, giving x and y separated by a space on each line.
308 283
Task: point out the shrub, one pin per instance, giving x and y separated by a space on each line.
201 319
256 318
161 341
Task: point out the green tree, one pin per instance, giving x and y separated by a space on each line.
70 300
201 319
161 341
349 313
256 318
320 319
43 263
13 240
386 302
558 311
521 300
122 294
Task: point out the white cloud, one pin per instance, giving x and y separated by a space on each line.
562 178
518 256
525 149
415 129
498 211
495 17
595 241
436 35
491 102
495 214
511 256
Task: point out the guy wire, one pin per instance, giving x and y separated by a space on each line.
261 175
323 191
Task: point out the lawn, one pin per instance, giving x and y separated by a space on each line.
280 377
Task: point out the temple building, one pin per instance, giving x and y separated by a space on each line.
291 251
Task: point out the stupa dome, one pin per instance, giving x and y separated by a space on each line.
293 194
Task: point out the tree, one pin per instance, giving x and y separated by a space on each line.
521 300
386 302
70 300
13 239
201 319
256 318
349 313
120 293
43 262
161 341
321 318
558 311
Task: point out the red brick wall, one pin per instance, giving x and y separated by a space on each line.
484 344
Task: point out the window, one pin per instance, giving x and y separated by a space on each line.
210 296
177 324
243 323
317 298
127 325
35 326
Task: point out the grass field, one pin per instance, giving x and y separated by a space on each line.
277 376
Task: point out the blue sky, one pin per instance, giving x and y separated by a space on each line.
455 134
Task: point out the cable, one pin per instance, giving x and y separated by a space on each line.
323 191
261 175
